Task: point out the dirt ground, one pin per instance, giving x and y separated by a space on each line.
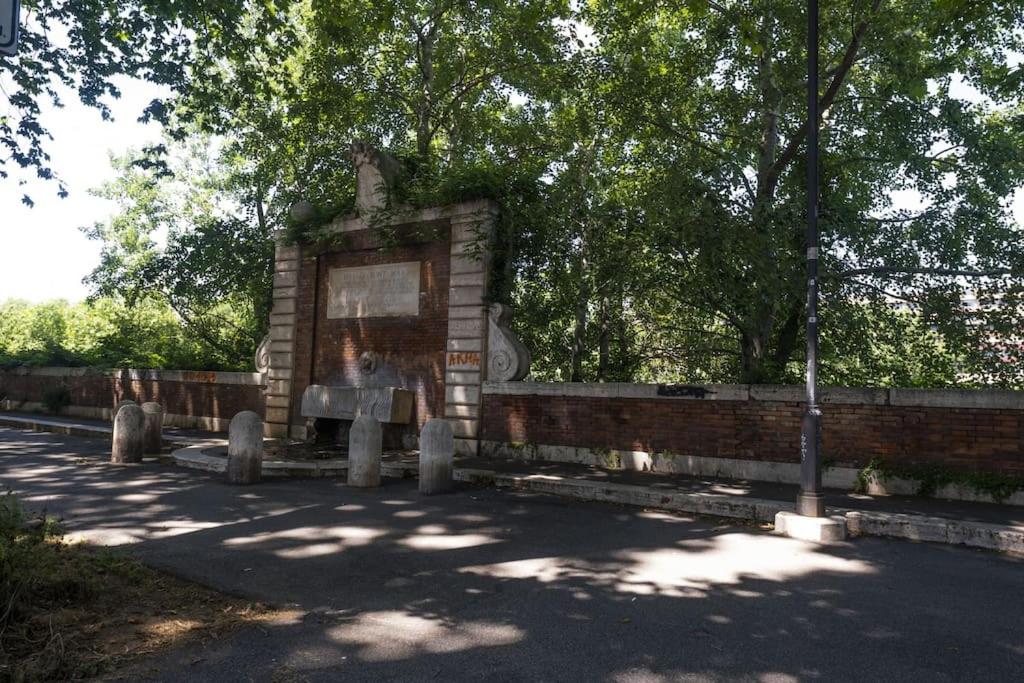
95 612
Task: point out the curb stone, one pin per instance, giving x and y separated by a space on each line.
1007 539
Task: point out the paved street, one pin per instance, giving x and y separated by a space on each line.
492 585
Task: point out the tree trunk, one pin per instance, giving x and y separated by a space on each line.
604 343
579 336
425 55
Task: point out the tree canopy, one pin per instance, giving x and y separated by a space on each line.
649 158
79 47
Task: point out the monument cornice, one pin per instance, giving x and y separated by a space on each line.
472 210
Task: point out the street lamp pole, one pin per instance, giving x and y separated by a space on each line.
810 501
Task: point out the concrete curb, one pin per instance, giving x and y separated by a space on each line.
717 505
89 431
55 427
1008 539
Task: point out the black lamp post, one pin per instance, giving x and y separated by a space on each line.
810 501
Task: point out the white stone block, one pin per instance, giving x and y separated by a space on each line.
437 457
814 529
153 427
388 404
129 433
365 440
465 344
245 448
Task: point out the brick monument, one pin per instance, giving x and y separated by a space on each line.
389 317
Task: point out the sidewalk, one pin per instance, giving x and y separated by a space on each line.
82 426
988 513
982 525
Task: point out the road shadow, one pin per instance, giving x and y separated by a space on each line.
484 584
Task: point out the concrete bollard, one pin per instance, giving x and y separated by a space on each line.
245 448
364 451
153 428
129 425
437 457
119 405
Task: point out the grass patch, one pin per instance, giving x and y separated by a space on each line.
72 611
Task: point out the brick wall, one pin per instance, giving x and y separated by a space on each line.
410 349
979 431
206 400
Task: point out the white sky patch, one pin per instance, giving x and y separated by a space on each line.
43 255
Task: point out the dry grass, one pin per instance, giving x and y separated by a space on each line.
72 611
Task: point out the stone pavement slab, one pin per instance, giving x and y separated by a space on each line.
505 586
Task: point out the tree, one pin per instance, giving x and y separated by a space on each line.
712 99
649 159
214 268
80 46
104 333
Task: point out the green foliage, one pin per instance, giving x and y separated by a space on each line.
880 345
648 158
931 478
78 47
214 268
702 108
56 399
30 574
103 333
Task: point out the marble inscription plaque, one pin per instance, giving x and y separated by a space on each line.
380 291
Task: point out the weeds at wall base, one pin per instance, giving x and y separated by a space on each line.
931 478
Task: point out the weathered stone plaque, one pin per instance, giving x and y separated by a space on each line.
380 291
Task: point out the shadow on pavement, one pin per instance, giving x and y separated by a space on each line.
489 585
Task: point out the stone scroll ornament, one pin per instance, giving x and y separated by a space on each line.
508 359
262 358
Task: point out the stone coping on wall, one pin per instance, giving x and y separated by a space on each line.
990 399
133 375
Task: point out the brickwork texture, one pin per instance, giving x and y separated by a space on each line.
194 394
967 439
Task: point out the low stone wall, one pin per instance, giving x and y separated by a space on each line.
753 430
191 399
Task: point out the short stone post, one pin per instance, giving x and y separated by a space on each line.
365 440
437 457
245 448
129 425
153 428
119 405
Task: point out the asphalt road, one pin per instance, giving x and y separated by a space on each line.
489 585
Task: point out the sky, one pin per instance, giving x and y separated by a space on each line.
43 253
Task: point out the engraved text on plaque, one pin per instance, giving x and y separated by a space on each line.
390 289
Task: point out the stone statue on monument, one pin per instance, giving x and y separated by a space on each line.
377 176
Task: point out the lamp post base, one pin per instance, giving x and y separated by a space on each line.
814 529
810 504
